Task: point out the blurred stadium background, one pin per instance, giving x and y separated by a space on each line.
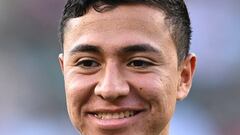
32 100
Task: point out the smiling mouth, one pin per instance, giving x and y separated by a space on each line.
115 115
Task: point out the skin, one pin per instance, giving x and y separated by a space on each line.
117 61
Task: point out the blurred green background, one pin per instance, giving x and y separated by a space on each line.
32 99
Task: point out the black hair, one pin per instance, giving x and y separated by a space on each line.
177 17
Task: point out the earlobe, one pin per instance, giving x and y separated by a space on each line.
61 62
186 76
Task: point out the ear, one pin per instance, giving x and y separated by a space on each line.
187 69
61 62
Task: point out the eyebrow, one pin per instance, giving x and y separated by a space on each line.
136 48
85 48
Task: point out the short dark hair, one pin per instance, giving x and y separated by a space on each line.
177 17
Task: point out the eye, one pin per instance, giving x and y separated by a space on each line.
88 63
139 64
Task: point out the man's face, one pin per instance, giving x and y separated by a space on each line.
121 72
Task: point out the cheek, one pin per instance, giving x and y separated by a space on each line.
159 91
157 88
78 86
78 91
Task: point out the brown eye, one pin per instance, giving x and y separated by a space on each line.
88 64
139 64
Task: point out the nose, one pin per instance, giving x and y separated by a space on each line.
112 85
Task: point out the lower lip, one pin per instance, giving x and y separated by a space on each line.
113 124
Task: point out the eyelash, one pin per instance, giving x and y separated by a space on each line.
143 63
89 63
135 63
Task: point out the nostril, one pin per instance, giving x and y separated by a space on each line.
111 95
109 98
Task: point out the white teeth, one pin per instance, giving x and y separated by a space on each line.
126 113
107 116
120 115
115 116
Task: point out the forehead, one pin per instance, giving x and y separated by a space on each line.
140 13
136 20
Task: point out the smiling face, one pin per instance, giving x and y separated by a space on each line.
121 72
